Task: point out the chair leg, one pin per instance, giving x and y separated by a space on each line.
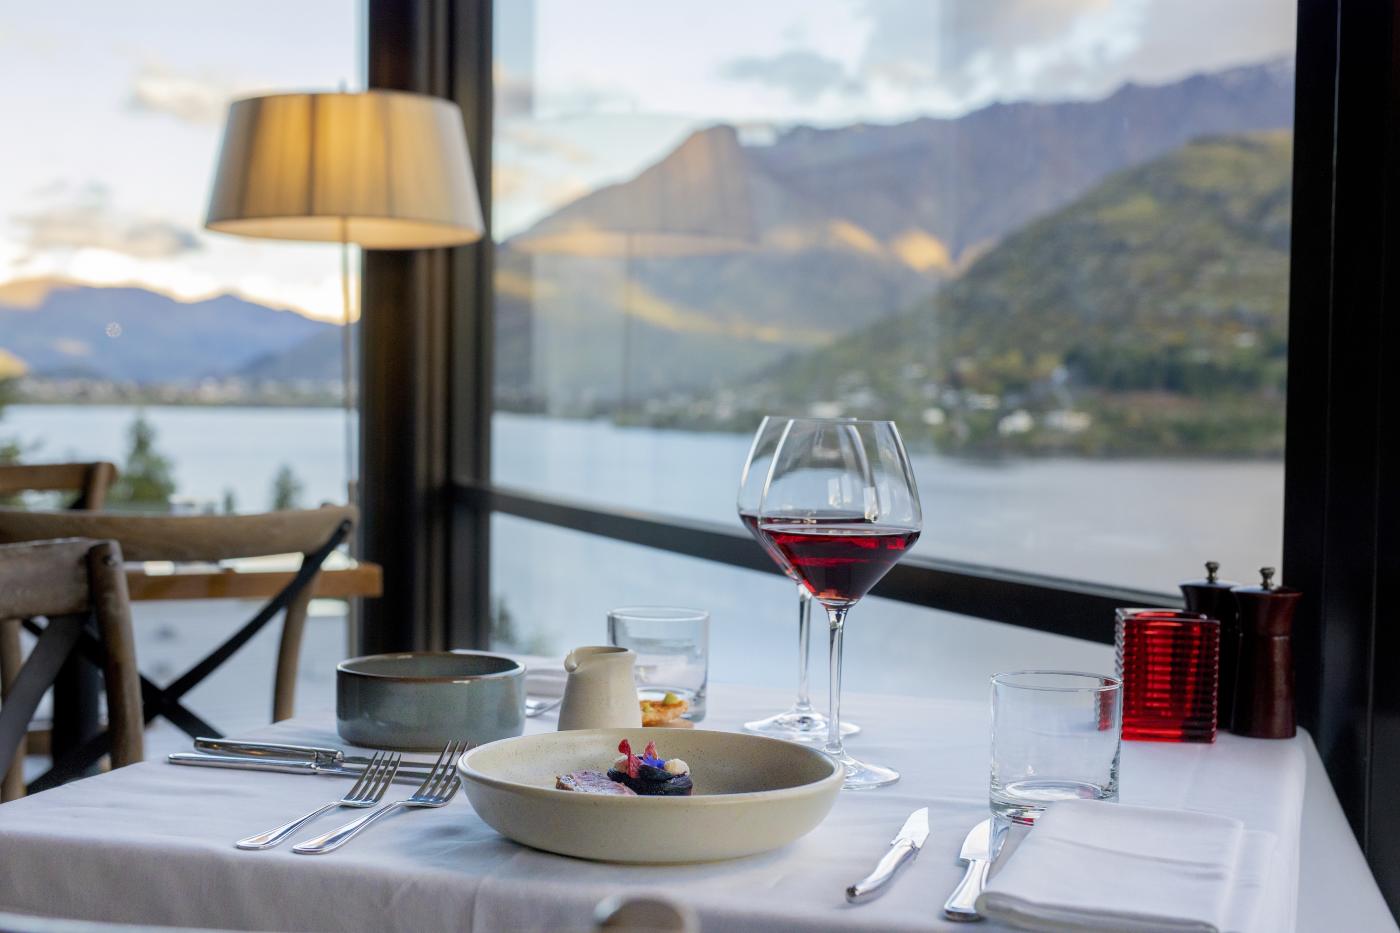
289 652
125 722
12 785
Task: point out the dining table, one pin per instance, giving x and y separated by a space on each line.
153 843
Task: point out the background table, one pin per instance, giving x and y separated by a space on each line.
340 578
153 843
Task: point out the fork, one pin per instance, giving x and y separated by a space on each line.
436 790
368 791
538 707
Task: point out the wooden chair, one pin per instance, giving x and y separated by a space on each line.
89 480
72 583
314 533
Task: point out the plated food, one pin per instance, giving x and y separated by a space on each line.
665 711
748 793
645 775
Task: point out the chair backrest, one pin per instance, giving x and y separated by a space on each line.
184 538
69 582
211 538
89 480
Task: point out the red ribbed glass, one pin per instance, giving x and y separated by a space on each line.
1169 663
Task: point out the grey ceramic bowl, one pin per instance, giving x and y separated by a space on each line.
420 701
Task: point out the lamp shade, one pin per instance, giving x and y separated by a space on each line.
382 169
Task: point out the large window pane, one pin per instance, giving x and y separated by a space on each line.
1051 242
117 308
544 604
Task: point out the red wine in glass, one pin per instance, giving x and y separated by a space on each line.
840 504
838 559
800 722
750 520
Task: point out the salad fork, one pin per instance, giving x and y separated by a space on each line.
366 792
436 790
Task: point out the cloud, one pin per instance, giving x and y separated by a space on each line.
518 94
804 74
86 219
916 44
968 53
544 190
532 140
198 100
514 93
1242 31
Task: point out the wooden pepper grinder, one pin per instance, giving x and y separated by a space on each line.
1264 707
1211 597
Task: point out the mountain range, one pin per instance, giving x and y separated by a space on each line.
1147 316
64 329
731 252
750 259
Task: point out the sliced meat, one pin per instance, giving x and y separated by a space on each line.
592 782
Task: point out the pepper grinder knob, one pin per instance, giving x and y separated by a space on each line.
1267 573
1212 567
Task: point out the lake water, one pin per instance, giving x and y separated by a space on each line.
1145 524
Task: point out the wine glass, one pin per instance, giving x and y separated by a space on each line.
800 722
840 505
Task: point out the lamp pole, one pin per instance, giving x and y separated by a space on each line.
346 358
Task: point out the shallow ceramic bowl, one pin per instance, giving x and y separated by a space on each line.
752 794
420 701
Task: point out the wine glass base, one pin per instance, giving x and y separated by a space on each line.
806 726
862 776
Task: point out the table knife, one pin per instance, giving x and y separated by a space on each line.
977 853
903 847
406 775
323 755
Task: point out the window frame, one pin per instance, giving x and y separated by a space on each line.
426 423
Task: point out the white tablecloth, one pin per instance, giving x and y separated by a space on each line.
153 843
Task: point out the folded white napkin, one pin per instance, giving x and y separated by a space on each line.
1090 865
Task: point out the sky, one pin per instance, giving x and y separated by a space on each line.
112 112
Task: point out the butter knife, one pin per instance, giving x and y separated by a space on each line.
977 853
323 755
288 766
903 847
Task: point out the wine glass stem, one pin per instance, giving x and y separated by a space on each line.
804 647
837 619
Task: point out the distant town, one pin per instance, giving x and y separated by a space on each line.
231 390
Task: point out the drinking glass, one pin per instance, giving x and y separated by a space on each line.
841 507
800 722
1055 736
673 652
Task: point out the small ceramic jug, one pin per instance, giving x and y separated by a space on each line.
600 692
